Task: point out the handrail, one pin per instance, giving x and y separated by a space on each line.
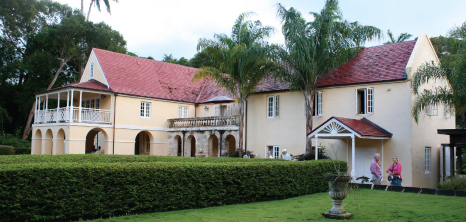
204 121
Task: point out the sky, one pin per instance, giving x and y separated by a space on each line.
158 27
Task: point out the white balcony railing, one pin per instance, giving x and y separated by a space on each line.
61 115
204 121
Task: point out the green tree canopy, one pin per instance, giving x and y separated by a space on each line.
401 38
315 48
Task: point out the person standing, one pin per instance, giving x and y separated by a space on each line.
395 171
269 155
286 155
375 170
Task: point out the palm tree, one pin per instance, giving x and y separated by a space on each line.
401 38
97 3
315 48
243 59
452 73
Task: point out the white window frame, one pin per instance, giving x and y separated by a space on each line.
368 101
218 110
428 158
446 111
145 109
275 151
92 70
432 110
183 111
92 103
317 104
273 106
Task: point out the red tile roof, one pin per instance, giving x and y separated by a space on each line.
363 127
149 78
374 64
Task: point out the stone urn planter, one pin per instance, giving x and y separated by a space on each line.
338 187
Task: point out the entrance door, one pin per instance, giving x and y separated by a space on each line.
364 157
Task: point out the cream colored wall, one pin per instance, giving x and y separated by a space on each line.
128 112
201 112
98 73
425 131
392 111
287 131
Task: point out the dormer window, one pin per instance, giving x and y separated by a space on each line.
92 70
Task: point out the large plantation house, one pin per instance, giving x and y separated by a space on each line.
130 105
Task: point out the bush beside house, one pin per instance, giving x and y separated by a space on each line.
104 186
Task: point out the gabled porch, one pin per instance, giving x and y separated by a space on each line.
71 105
343 128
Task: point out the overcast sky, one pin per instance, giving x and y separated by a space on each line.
158 27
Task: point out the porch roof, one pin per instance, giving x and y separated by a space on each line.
343 127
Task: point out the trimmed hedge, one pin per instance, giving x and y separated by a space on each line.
66 190
7 150
22 150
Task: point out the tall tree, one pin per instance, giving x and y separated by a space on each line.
60 46
97 3
452 72
243 59
401 38
315 48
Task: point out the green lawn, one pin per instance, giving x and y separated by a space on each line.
365 204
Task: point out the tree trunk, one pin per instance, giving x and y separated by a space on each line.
241 124
90 7
27 128
309 101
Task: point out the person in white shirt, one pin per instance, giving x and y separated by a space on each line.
286 155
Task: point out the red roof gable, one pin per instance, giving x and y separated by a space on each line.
374 64
364 127
149 78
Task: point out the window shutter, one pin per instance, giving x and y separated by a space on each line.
319 103
270 106
276 152
217 110
228 110
277 105
369 100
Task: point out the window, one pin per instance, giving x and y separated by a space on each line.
365 101
273 106
446 111
428 152
274 150
91 103
145 109
182 112
432 110
92 70
222 110
317 104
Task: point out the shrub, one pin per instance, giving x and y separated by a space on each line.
72 187
22 150
7 150
311 156
8 139
455 183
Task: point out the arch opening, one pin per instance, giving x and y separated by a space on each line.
95 141
142 144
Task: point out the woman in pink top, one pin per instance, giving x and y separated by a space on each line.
395 171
